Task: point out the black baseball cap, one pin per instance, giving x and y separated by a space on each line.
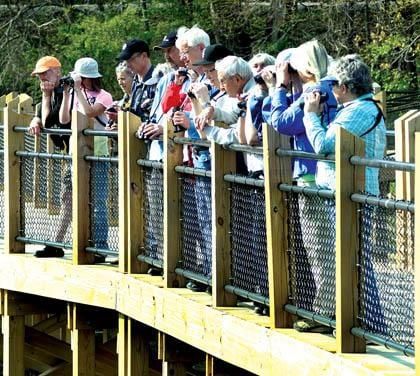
213 53
131 47
167 41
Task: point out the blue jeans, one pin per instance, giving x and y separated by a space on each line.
202 190
99 209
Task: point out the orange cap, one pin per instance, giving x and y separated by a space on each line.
45 63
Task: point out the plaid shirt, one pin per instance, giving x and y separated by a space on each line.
357 117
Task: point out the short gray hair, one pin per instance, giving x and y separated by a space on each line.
193 37
263 58
234 65
122 67
351 71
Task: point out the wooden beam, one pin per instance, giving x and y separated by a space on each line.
83 346
171 207
81 146
349 179
210 363
62 369
13 328
130 190
19 304
417 255
133 351
223 162
276 170
12 211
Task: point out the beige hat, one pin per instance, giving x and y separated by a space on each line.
310 57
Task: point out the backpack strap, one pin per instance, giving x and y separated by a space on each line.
378 118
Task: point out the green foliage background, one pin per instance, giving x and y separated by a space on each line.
385 33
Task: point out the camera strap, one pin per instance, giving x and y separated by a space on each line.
378 118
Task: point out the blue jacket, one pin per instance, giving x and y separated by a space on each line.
287 118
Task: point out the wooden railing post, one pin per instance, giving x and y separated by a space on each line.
80 146
12 175
223 162
417 256
131 237
13 329
133 350
82 343
405 128
349 179
276 170
171 207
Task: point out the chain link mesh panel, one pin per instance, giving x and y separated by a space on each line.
27 181
248 239
311 246
387 180
153 212
196 224
41 218
386 273
103 225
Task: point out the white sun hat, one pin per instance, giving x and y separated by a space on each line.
87 67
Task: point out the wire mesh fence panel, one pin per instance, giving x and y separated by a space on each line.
387 180
311 246
28 175
248 239
196 224
386 273
41 174
153 212
46 223
103 191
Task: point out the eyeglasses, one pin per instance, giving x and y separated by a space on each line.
184 53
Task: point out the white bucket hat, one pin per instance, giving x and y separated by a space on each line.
87 67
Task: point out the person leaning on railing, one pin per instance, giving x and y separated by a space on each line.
92 100
297 75
48 70
359 114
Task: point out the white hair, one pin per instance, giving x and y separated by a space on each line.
122 67
234 65
193 37
262 58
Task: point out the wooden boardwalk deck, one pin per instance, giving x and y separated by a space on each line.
235 334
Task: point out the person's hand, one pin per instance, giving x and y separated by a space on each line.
180 76
112 115
200 91
111 126
152 131
77 78
268 77
312 102
34 127
282 73
181 119
205 117
47 88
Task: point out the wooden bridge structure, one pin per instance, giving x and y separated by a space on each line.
69 316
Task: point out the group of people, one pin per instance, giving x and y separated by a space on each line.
209 93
